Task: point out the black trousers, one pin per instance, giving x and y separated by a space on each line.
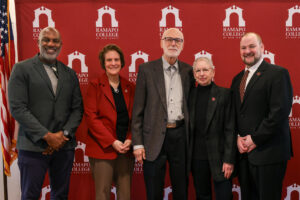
33 167
202 182
261 182
173 151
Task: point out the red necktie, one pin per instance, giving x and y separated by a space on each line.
243 85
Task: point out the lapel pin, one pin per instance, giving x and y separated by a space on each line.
258 73
213 99
125 90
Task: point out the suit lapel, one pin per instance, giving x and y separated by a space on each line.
236 88
211 105
107 90
184 82
39 67
159 81
259 72
60 80
192 108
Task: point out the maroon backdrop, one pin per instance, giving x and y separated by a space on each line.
211 28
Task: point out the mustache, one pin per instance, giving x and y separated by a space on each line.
173 49
52 48
249 54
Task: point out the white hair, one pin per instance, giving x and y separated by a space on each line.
205 59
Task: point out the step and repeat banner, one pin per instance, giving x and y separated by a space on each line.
211 29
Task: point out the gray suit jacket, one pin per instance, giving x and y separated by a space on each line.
149 115
36 108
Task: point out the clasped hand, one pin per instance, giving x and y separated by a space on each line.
55 141
245 144
121 147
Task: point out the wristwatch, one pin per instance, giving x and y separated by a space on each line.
67 134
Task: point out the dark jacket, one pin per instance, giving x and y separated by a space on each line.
220 138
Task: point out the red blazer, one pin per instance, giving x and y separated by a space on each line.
101 116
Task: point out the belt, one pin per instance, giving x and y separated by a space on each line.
175 124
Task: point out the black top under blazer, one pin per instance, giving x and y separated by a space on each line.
220 137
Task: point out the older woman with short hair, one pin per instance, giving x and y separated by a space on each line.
213 135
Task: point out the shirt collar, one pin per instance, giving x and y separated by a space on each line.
166 65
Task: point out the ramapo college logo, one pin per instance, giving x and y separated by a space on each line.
269 56
138 168
132 68
292 32
163 24
292 188
81 164
203 53
45 190
36 21
294 114
234 32
110 32
237 189
82 75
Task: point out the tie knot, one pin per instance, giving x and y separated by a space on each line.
171 70
171 67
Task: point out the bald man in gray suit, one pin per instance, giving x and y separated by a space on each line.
160 118
45 98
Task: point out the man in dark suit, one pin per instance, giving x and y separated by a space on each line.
263 99
160 118
213 138
45 99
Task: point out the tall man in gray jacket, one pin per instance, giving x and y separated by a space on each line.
45 98
160 118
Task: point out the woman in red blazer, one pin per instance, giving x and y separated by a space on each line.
108 109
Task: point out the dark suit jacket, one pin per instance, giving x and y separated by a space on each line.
149 115
264 113
220 138
101 116
36 108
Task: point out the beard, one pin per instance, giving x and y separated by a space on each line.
47 56
170 52
253 62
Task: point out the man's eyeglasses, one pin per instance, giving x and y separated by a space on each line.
170 40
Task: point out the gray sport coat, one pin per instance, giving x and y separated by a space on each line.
149 115
35 107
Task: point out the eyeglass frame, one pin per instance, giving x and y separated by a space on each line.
171 39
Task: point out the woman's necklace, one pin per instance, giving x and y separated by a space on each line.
115 86
116 90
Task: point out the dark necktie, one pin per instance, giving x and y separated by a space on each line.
243 85
54 69
171 71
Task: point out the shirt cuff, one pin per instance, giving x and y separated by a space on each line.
135 147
